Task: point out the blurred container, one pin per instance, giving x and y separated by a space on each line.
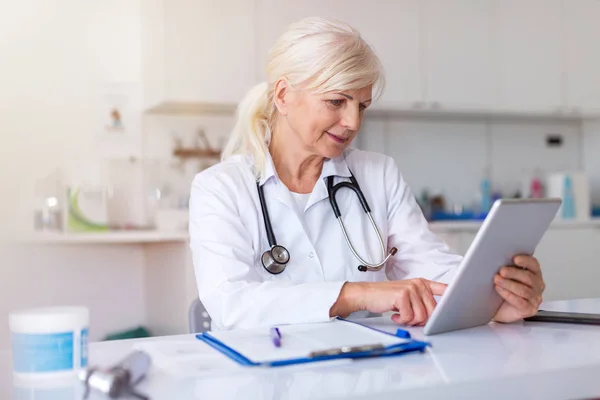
49 203
87 207
49 343
85 195
579 191
133 193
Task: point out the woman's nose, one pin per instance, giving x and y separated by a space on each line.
351 118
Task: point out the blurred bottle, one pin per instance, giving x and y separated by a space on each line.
424 203
486 195
568 206
536 189
49 203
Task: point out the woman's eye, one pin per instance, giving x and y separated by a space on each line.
336 102
362 107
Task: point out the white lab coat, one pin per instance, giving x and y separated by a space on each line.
227 239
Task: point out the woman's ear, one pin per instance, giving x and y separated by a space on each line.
281 95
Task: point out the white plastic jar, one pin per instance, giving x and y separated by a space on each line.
50 342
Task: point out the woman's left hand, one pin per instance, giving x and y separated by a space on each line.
521 286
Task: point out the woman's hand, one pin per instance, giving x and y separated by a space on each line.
411 299
521 288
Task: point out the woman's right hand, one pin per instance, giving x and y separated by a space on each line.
411 299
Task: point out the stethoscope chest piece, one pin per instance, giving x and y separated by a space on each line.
275 259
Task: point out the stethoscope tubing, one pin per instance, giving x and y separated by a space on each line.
266 218
332 192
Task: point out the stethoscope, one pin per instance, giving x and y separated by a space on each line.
277 257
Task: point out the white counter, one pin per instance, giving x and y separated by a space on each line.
523 360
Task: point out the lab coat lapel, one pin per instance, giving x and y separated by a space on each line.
336 167
274 186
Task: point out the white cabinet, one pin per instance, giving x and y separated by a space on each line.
458 54
393 31
527 44
570 263
582 36
170 287
491 55
273 18
206 49
391 28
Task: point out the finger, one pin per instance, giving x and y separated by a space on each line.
429 302
535 281
535 299
404 307
521 304
418 308
516 288
520 275
437 288
528 262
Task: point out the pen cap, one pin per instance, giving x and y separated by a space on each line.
403 334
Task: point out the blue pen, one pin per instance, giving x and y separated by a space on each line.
276 337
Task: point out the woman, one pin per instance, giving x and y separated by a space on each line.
290 144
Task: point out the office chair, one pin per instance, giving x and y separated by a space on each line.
198 318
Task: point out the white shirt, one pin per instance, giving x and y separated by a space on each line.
301 199
227 239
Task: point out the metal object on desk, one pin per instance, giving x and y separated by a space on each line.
346 350
119 379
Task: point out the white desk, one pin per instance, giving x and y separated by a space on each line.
521 360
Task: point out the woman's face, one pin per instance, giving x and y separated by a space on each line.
325 124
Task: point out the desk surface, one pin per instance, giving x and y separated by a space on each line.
521 360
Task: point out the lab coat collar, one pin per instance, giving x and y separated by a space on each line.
331 167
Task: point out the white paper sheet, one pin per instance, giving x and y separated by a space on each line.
297 341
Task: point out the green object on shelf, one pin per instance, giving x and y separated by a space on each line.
135 333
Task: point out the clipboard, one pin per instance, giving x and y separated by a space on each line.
312 342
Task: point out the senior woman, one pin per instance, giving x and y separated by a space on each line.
267 245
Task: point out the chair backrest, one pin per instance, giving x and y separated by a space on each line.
198 318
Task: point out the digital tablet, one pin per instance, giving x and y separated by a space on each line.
512 227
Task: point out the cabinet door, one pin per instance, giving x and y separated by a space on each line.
527 45
457 53
390 27
570 264
582 34
209 50
273 17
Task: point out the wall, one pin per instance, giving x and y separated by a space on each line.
459 150
450 155
56 57
107 279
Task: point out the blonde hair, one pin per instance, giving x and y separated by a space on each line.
324 55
